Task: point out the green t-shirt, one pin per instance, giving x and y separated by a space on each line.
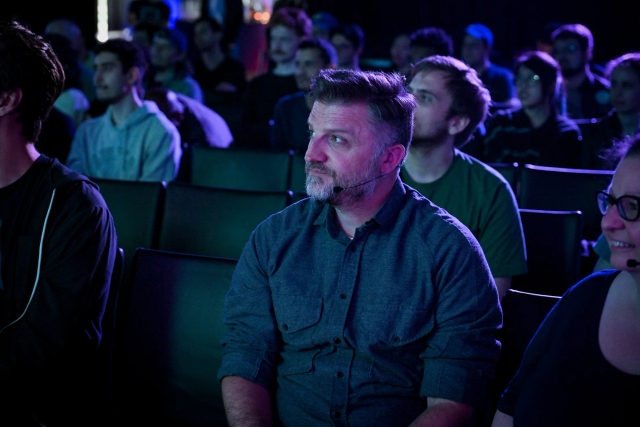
480 198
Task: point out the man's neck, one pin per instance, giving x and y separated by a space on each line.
428 163
285 68
17 154
162 74
351 216
629 122
538 115
577 79
123 108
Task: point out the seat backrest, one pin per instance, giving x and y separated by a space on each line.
561 189
136 208
213 221
171 340
510 172
298 176
240 169
522 313
553 244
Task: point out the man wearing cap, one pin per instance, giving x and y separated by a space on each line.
323 25
476 48
171 67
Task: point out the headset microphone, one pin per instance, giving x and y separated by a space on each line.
632 263
337 189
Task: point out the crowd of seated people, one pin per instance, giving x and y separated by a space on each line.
156 95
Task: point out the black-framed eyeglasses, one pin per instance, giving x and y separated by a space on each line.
627 205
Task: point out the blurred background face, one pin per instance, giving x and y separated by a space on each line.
204 37
163 53
344 48
283 44
473 51
529 88
309 62
420 52
400 51
625 90
570 56
109 78
623 236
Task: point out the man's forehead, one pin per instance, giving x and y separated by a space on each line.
339 116
106 58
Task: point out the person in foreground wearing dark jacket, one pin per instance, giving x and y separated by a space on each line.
57 251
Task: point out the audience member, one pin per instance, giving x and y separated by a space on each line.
400 54
452 102
476 50
171 68
587 94
535 134
221 77
142 34
430 41
365 304
71 31
57 245
582 367
543 41
623 120
132 140
72 101
198 124
56 135
287 28
290 128
323 25
348 40
229 14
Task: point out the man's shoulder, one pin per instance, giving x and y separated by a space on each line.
498 71
478 171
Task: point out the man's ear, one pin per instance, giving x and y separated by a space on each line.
457 124
133 76
10 101
391 158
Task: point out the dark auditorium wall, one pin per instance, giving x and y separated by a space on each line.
614 23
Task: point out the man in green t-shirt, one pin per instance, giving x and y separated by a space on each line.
452 103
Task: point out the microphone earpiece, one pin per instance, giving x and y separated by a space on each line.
632 263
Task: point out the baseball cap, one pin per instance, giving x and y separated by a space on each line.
480 31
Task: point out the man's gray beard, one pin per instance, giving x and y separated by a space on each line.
326 193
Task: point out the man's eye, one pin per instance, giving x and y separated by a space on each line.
334 139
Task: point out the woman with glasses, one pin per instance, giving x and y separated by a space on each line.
582 367
536 133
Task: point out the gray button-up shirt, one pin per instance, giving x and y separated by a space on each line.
359 332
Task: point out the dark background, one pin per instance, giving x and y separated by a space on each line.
615 23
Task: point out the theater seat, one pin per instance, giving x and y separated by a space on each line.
136 208
213 221
241 169
553 244
170 335
510 172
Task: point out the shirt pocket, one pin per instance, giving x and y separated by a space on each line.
297 317
394 325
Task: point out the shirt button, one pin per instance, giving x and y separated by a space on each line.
396 338
337 341
337 414
343 296
353 248
285 326
339 374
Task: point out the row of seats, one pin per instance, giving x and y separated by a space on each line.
535 187
163 338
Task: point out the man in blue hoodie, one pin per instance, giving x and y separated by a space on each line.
133 140
57 252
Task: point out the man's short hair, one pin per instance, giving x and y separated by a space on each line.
390 107
469 97
294 18
629 60
326 49
433 37
215 26
578 32
129 54
480 32
29 63
545 67
352 32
